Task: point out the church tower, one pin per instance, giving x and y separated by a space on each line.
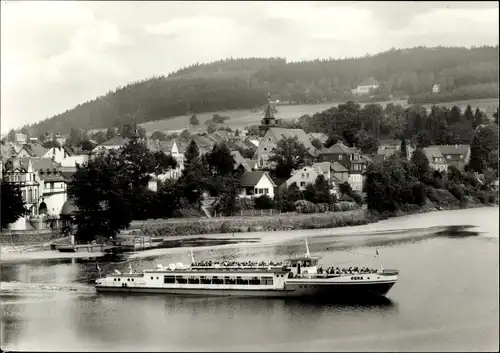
269 119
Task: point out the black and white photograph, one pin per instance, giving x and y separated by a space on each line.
271 176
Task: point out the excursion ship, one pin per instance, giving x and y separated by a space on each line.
295 277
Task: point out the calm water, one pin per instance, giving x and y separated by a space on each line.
446 299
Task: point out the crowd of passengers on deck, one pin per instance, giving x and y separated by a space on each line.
237 264
344 271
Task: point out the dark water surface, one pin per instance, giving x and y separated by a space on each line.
446 299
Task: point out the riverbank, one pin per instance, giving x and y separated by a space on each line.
260 235
381 233
283 222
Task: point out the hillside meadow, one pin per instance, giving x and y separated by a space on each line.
242 118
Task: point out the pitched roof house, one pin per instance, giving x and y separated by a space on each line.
43 188
389 147
350 158
302 177
340 174
273 136
31 150
58 154
204 143
256 184
456 155
324 169
435 158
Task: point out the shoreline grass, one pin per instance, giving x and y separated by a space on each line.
283 222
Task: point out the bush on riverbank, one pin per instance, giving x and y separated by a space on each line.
398 184
282 222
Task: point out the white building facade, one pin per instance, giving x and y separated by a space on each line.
43 189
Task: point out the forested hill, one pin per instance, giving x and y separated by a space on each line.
244 83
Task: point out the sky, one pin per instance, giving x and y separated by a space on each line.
56 55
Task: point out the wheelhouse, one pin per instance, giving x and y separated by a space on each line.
303 266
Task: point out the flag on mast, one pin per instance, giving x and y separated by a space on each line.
98 268
376 251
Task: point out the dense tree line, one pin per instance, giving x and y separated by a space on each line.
364 127
245 83
476 91
111 189
400 184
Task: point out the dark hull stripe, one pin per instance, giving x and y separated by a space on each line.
305 283
290 291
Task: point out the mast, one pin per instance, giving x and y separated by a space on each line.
380 261
308 254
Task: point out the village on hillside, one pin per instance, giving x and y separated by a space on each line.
43 174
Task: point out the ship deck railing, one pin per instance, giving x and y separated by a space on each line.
266 269
236 267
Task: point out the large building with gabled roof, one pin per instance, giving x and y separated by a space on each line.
43 188
273 136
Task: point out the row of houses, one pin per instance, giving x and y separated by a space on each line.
43 174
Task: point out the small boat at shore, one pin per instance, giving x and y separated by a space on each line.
296 277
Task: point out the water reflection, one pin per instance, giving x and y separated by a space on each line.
447 281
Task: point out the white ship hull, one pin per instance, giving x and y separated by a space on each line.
299 277
332 290
309 287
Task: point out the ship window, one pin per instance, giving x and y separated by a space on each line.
254 281
128 279
205 280
132 280
114 279
180 279
229 280
194 280
157 278
217 280
267 280
169 279
152 277
119 279
240 280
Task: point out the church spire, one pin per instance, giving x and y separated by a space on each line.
135 136
269 119
269 110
